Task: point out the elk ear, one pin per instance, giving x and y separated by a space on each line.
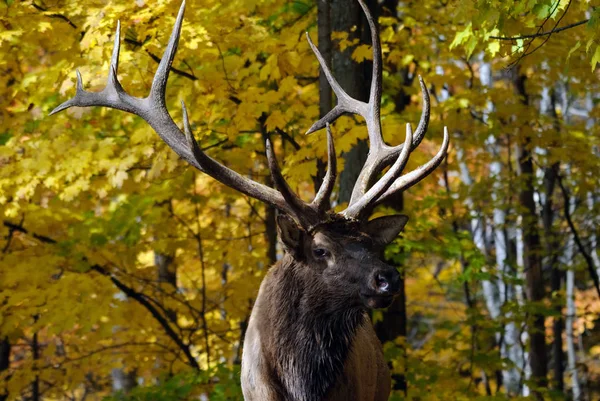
383 230
290 233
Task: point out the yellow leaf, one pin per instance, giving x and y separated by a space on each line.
493 48
275 120
361 53
44 26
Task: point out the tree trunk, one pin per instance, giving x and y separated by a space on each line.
123 381
551 246
520 261
510 346
35 385
490 288
571 314
532 249
591 200
4 362
167 272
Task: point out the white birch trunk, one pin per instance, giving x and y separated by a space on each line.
519 293
511 345
593 237
490 289
570 320
122 381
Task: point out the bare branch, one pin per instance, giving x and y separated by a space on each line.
538 35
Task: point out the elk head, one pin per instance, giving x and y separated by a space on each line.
342 248
344 256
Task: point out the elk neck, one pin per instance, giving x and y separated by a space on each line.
306 331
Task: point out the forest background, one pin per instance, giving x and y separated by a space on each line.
127 275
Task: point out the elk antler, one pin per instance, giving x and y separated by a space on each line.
154 111
366 194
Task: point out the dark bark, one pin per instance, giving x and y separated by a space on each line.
551 260
271 234
393 326
556 279
389 8
167 270
35 385
203 291
5 348
532 249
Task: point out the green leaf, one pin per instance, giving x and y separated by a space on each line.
4 138
596 58
98 239
301 8
594 21
573 49
462 36
542 11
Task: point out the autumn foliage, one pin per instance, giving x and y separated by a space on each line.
125 274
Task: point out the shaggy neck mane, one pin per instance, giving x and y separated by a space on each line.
307 333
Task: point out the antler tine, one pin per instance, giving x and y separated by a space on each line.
425 113
412 178
354 210
345 103
114 59
376 87
326 187
159 83
306 215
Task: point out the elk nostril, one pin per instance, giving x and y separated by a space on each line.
381 282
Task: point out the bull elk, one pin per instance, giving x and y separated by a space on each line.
309 337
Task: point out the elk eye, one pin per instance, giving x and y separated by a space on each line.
320 252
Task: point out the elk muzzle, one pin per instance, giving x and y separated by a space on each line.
383 285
